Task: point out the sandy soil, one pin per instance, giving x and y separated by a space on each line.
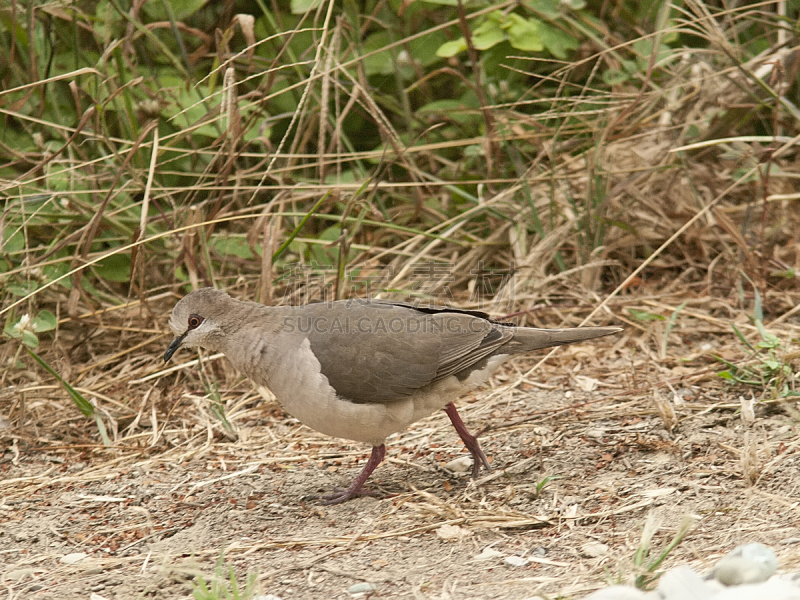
154 513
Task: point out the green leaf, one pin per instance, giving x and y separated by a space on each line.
44 321
741 337
23 289
770 340
382 61
758 310
641 315
615 77
82 403
549 9
557 42
488 34
232 246
523 34
299 7
14 242
116 267
29 339
449 49
180 9
424 49
54 271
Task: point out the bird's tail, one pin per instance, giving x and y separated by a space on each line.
528 338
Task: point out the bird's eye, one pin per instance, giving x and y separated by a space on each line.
194 321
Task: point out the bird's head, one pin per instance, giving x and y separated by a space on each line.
195 319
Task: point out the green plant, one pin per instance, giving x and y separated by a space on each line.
26 330
543 483
647 563
648 317
766 367
224 585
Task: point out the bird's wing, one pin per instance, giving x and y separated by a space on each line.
380 352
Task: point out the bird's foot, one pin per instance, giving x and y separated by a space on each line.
356 488
478 460
470 441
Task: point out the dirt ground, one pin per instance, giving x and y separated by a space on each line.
144 519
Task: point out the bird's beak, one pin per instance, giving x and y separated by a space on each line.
174 345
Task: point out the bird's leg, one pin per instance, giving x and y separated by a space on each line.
470 441
355 489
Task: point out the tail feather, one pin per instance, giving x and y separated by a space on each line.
528 338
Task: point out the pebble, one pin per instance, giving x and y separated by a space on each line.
459 465
452 532
683 582
71 559
746 573
594 549
362 588
20 574
487 553
516 561
774 589
751 563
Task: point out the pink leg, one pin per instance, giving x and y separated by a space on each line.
470 441
355 489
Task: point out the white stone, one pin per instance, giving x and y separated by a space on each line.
774 589
683 583
488 553
617 592
71 559
362 588
749 563
594 549
516 561
460 465
452 532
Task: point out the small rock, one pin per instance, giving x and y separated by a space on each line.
94 596
594 549
617 592
587 384
595 433
683 582
268 597
459 465
516 561
362 588
750 563
774 589
488 554
20 574
452 532
71 559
